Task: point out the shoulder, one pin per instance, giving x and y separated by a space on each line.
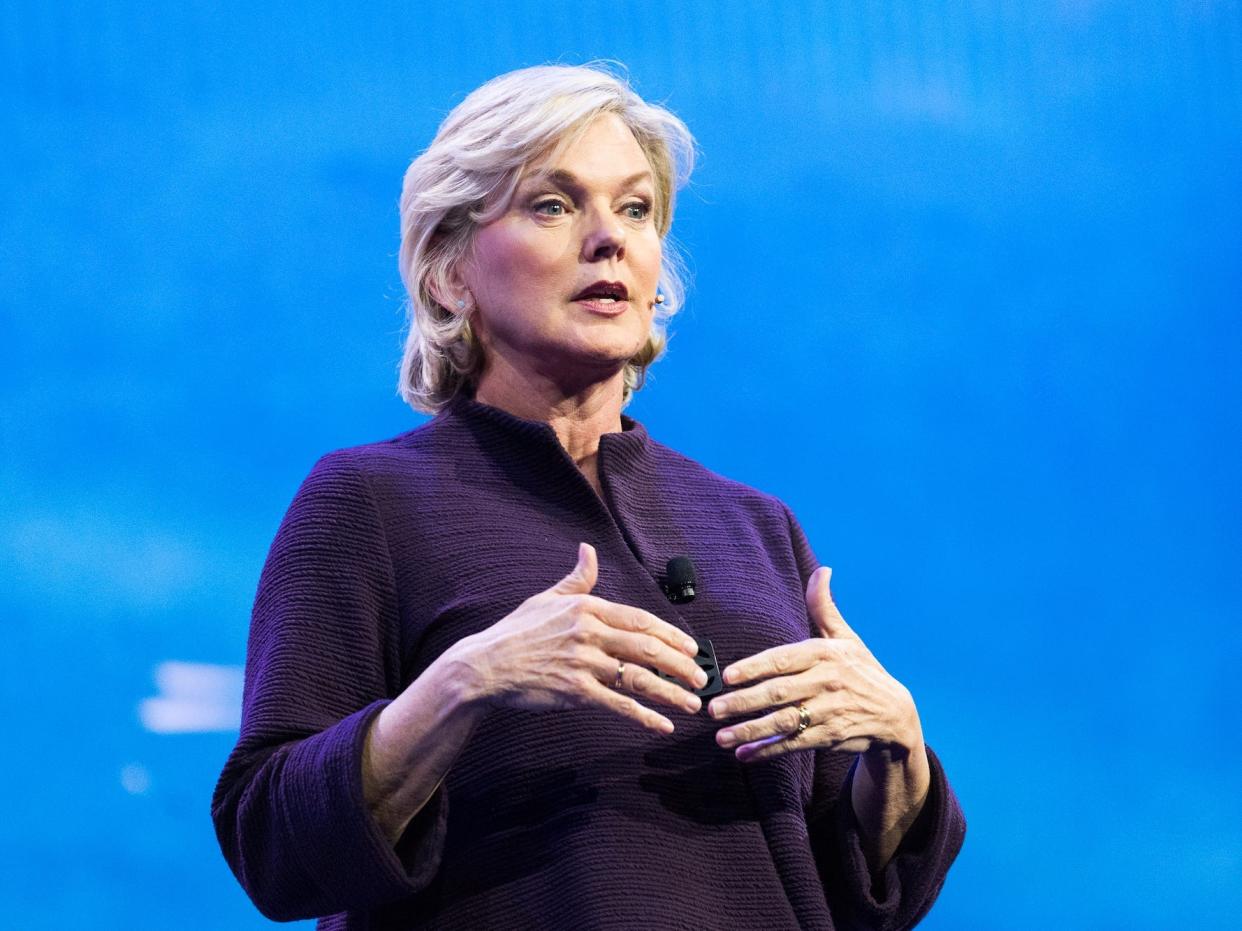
734 507
724 509
683 473
348 490
415 453
349 494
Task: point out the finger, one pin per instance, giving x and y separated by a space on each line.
823 610
636 620
778 746
645 650
643 682
582 577
780 723
620 703
770 694
786 659
831 726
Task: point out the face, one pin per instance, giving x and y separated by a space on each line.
564 282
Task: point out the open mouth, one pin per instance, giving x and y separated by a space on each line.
603 292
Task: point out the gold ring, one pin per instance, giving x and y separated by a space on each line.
804 720
620 673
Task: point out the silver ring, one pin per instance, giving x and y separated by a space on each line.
620 673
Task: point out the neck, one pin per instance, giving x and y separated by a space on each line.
579 415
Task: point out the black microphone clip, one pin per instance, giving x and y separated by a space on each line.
681 585
680 580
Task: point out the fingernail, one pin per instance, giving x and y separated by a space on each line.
725 737
700 678
718 709
690 645
694 703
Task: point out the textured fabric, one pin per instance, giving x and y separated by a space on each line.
390 553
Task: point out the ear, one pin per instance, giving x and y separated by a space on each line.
456 300
451 290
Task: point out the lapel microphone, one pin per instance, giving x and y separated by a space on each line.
681 584
680 580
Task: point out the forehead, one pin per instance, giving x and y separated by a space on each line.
603 151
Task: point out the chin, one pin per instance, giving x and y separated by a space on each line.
610 343
595 364
618 355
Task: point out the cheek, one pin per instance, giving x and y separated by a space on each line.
502 268
511 262
536 268
648 261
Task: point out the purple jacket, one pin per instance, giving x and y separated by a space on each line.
393 551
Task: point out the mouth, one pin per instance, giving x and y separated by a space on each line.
603 292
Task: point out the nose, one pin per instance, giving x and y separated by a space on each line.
604 237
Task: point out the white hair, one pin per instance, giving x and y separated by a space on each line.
468 175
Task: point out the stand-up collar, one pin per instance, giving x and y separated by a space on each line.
624 449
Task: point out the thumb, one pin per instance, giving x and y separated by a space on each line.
823 609
582 579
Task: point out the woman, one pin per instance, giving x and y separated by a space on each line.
448 722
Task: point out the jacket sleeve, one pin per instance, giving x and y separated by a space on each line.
903 892
323 659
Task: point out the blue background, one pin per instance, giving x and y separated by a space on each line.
966 295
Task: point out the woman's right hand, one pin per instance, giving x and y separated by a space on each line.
563 647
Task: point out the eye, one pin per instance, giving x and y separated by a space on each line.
637 210
549 207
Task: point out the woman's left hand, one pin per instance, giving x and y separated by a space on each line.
850 702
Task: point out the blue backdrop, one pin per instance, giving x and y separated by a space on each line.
966 296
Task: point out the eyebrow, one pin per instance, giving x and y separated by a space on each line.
567 179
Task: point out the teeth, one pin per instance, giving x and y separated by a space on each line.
607 300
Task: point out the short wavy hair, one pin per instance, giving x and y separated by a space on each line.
467 177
